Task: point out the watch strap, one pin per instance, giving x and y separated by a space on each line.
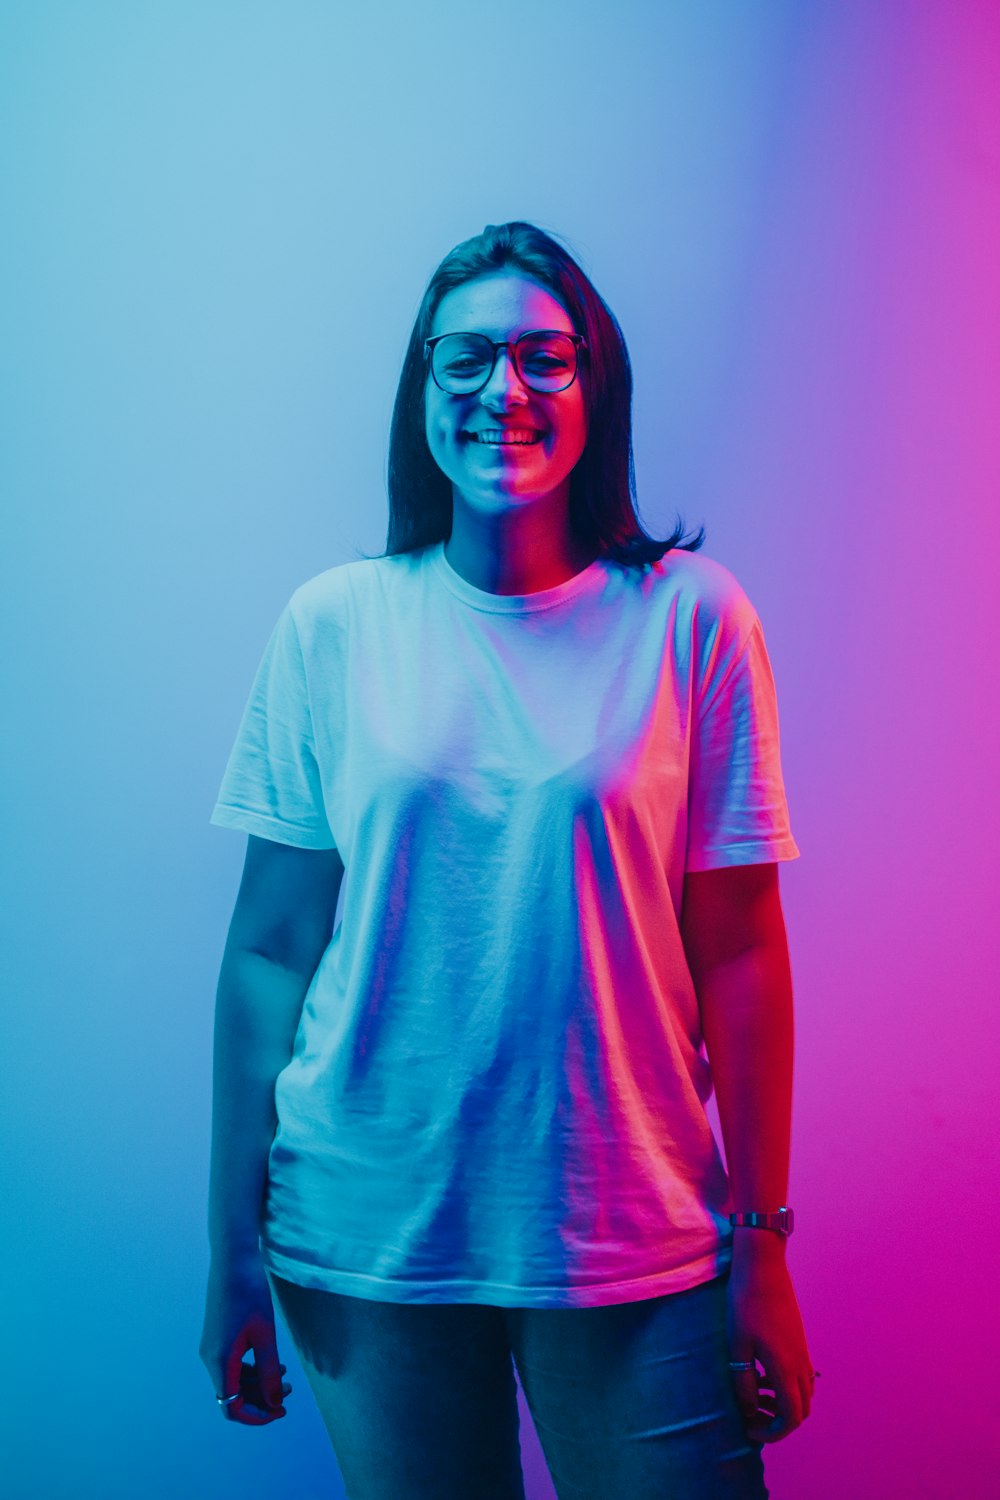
782 1220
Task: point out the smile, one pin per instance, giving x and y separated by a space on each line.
514 437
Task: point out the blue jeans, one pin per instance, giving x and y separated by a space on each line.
630 1402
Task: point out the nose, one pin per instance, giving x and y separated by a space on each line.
504 381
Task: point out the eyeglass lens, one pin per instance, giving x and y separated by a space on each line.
545 361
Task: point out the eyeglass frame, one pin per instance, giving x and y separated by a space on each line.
577 339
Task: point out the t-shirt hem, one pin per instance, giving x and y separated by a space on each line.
265 827
500 1294
751 852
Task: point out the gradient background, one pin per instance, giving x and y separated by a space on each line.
218 221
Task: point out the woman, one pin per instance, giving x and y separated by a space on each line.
544 749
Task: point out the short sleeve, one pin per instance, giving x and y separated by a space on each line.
737 809
272 785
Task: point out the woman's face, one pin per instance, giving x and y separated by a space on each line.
504 305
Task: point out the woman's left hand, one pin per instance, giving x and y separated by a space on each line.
763 1323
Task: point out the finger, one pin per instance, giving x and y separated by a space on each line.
253 1416
766 1403
255 1391
267 1367
234 1366
789 1399
749 1403
767 1425
745 1383
254 1408
784 1411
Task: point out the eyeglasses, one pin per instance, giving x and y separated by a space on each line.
546 359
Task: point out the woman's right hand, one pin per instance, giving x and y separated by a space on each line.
239 1316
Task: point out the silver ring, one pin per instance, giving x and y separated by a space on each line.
227 1400
742 1364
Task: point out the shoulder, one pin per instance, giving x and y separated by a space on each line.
703 580
324 606
353 584
325 592
709 598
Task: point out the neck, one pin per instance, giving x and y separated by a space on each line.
518 551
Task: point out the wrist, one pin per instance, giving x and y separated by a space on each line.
758 1244
235 1243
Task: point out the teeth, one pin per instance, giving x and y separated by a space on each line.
514 436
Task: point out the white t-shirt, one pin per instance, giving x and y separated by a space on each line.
497 1089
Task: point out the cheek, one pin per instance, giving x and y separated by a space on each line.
576 412
579 429
437 427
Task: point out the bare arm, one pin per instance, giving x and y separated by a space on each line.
737 949
280 928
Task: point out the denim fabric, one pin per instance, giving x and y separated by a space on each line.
630 1402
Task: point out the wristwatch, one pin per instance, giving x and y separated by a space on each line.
782 1220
